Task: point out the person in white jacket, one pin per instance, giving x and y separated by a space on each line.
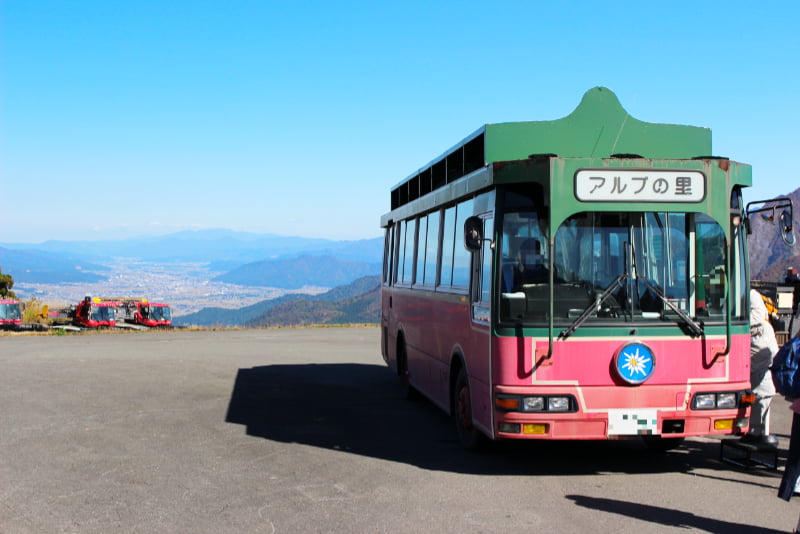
763 348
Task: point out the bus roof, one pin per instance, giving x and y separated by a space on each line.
598 128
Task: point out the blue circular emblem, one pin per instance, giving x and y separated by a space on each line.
635 363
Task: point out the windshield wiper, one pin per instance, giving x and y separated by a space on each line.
594 307
691 323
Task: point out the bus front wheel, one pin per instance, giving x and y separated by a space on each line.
471 438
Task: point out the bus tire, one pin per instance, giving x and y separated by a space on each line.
409 392
471 438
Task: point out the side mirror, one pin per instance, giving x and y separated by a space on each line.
770 206
787 230
473 233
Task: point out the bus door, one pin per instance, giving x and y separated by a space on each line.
481 286
479 360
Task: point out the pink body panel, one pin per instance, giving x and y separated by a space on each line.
584 368
589 362
438 328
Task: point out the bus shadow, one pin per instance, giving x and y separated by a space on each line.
665 516
360 409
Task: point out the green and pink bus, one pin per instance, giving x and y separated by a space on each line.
581 278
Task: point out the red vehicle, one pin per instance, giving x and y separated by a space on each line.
10 315
141 312
153 314
95 313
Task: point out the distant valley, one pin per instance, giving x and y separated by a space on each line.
189 270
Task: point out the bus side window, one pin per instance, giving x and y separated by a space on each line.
448 245
387 254
408 244
461 256
422 233
401 239
431 250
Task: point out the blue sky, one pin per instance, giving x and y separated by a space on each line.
122 119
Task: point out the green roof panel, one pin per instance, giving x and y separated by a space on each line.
598 128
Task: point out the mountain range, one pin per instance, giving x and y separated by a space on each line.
207 246
295 273
356 302
362 308
244 258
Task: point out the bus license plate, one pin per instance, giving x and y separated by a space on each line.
632 422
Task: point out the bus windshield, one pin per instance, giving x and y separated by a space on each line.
9 311
160 313
615 267
102 313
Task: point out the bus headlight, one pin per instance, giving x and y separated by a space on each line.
533 404
726 400
718 401
558 404
705 401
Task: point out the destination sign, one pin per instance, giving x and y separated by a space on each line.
639 185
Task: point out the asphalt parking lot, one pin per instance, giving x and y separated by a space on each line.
306 430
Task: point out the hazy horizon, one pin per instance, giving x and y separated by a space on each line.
195 231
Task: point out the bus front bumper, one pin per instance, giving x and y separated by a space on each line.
714 413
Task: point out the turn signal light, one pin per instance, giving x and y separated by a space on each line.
723 424
748 398
507 403
534 428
